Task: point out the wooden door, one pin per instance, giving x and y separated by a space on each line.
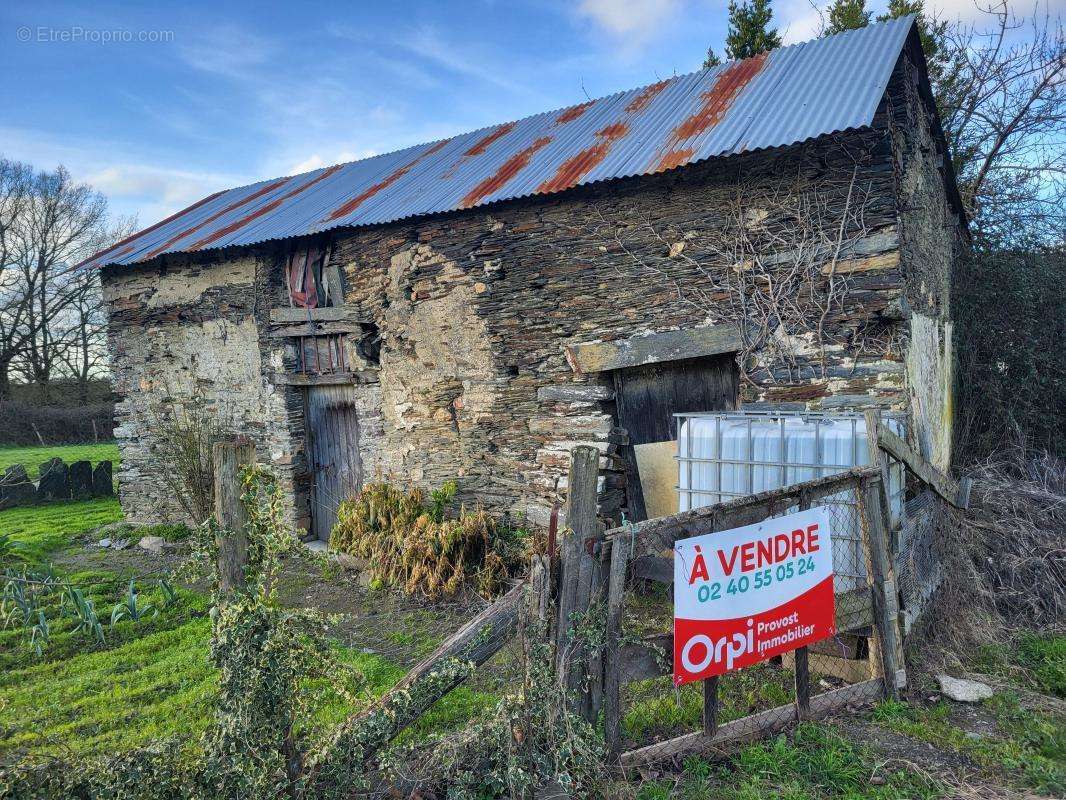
333 439
647 398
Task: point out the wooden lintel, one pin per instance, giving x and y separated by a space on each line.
283 330
937 480
333 379
326 314
656 537
654 348
575 393
753 726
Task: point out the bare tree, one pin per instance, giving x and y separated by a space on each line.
15 297
81 332
1002 110
56 224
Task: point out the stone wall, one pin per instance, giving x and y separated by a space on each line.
476 311
932 236
185 338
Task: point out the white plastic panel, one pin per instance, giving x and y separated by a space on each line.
736 454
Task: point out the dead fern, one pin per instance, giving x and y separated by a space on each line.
409 544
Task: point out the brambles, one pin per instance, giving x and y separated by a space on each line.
410 544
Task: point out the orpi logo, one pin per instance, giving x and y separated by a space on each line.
727 648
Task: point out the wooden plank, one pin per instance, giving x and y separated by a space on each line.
286 330
577 563
333 451
647 397
847 266
427 682
575 393
882 583
803 683
802 668
326 314
657 536
937 480
710 706
229 459
752 727
654 348
614 661
333 379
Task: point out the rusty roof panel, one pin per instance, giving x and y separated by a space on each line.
779 98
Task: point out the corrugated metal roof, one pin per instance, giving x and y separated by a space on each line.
779 98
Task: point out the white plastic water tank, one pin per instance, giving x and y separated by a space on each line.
722 456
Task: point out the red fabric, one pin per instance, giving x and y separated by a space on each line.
301 278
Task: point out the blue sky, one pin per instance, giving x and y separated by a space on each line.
221 94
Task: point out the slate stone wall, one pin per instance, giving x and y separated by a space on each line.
476 310
185 337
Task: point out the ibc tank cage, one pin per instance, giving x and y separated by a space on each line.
725 455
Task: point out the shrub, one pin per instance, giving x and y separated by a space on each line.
408 543
30 424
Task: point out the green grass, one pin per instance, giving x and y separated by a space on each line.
1045 659
813 762
655 709
1030 748
1037 660
39 531
158 683
33 457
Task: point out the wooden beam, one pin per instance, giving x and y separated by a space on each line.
332 379
937 480
882 582
654 348
229 459
577 567
614 663
435 676
327 314
656 537
753 726
710 706
285 330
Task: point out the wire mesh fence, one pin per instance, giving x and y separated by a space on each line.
919 565
659 718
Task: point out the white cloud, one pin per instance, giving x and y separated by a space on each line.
633 20
315 161
462 58
132 183
229 51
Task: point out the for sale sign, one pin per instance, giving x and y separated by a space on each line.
744 595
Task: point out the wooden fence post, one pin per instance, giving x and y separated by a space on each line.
882 585
579 568
228 458
612 679
802 668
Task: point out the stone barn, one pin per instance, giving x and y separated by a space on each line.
779 232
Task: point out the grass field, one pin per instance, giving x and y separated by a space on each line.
148 680
153 679
33 457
